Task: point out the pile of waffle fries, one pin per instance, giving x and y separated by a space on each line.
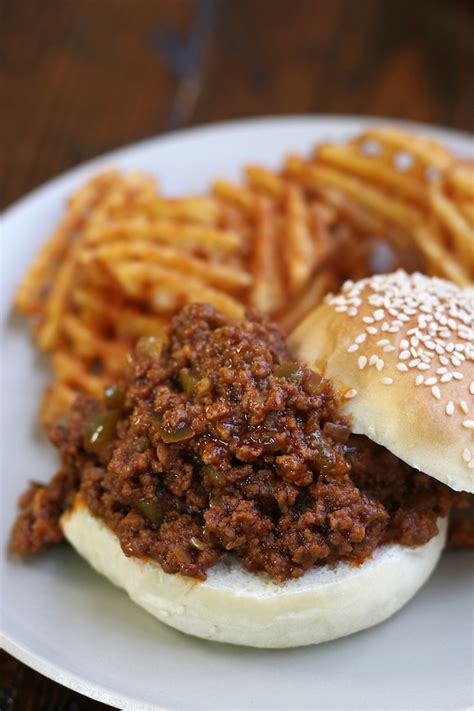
124 258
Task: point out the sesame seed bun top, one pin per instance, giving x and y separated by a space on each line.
400 349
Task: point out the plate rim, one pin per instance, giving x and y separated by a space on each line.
352 122
73 681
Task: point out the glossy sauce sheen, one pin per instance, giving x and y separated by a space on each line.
217 441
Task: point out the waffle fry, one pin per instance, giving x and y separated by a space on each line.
223 276
34 288
430 153
466 209
200 210
391 209
352 160
299 246
166 289
189 237
56 402
71 370
390 182
264 180
56 305
228 192
267 289
124 258
439 258
452 220
127 323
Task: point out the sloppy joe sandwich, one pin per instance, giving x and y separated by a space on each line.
231 485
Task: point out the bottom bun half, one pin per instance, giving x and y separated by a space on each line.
235 606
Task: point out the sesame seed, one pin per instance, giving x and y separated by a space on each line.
350 394
471 464
434 318
375 300
387 381
468 424
466 455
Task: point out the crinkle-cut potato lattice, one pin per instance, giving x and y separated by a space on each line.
407 187
124 258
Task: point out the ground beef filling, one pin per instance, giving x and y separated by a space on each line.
217 443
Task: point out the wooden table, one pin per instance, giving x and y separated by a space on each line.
83 76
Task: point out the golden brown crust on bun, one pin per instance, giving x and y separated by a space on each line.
400 349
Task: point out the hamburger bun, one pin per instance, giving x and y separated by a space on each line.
235 606
400 350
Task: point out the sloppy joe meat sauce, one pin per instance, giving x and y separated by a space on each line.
216 442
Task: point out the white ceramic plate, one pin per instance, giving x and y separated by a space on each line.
60 617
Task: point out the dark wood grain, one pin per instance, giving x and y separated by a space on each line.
80 77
